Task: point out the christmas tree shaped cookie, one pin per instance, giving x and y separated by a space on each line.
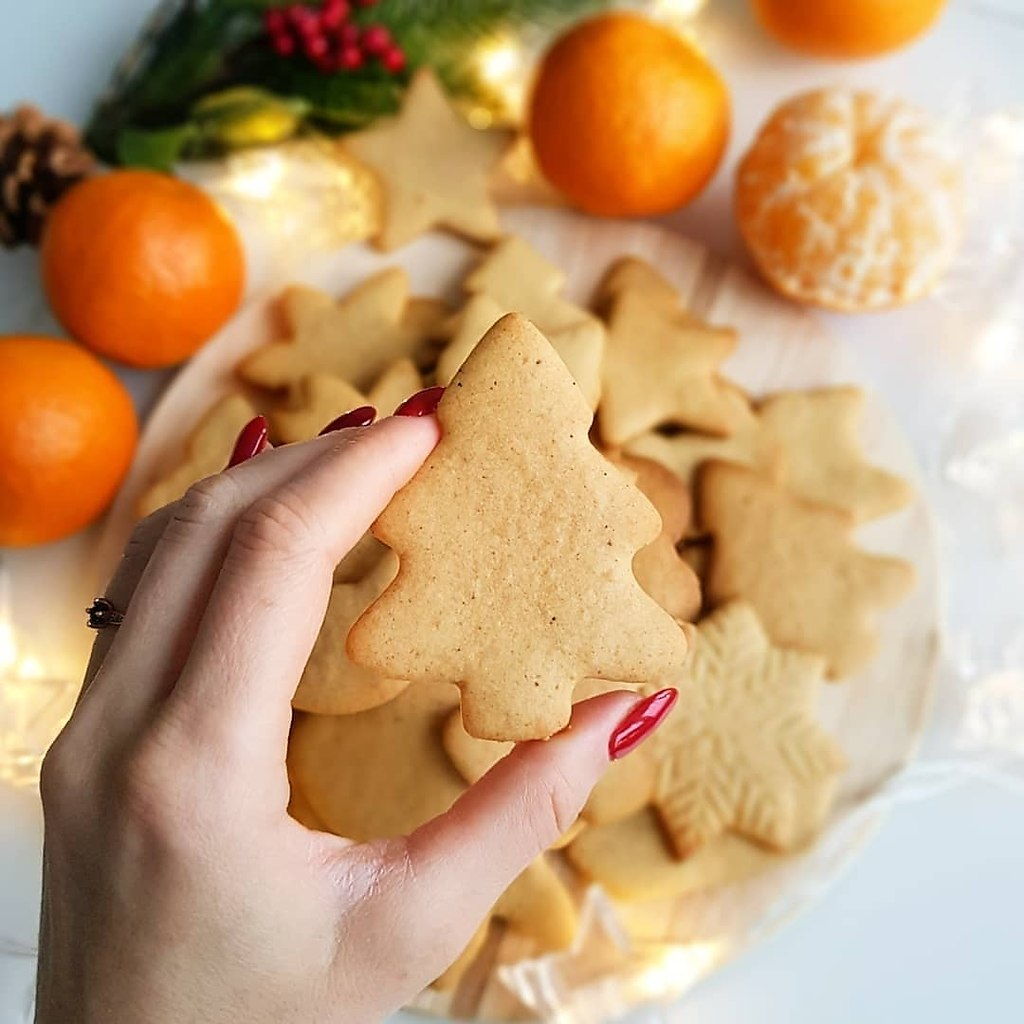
516 541
434 167
356 339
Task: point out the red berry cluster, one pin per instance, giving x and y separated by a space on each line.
328 38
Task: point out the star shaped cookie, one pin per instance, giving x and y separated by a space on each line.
807 440
356 338
794 561
749 445
319 398
742 745
579 343
434 168
516 540
661 368
632 274
519 278
331 684
206 452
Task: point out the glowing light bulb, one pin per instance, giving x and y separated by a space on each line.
679 10
257 176
8 646
501 67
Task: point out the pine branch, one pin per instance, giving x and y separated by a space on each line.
192 48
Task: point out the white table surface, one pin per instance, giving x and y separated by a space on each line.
927 925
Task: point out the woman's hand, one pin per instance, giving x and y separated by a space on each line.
176 887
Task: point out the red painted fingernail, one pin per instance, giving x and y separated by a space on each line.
251 441
361 417
641 721
423 403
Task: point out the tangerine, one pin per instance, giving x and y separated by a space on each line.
626 118
847 28
67 436
850 200
141 267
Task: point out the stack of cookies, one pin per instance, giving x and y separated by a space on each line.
605 509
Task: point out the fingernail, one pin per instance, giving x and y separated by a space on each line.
361 417
643 718
423 403
251 441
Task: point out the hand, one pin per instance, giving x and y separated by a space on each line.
176 887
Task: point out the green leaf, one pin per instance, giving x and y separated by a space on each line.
157 150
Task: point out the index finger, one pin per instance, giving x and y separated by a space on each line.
269 600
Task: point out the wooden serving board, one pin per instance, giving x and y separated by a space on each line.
876 716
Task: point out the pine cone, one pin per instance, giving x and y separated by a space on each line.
40 159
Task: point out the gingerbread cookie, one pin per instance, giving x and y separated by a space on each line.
516 540
683 453
794 561
400 380
661 367
314 402
742 748
632 861
819 433
357 338
331 684
632 274
519 278
379 773
659 568
206 452
580 344
319 398
433 167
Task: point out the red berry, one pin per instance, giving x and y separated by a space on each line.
348 34
376 40
283 44
350 58
275 22
296 14
334 12
305 20
315 47
393 60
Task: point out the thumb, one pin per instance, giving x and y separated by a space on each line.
467 857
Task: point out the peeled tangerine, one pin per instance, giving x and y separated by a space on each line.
850 201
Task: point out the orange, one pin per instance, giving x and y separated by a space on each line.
141 267
627 119
67 436
847 28
850 200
